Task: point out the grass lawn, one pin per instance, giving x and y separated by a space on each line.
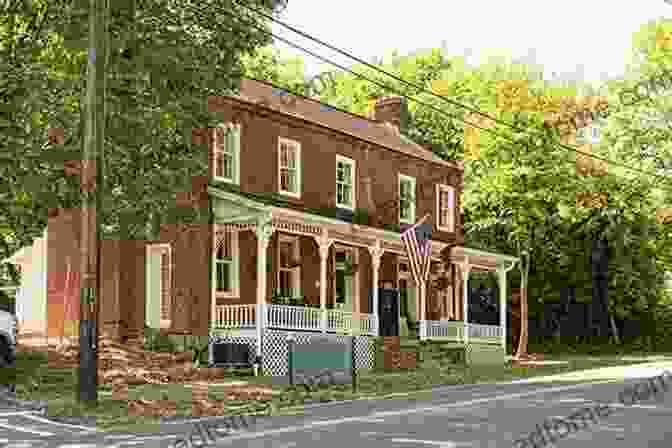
35 381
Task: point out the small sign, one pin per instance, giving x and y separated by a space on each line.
322 356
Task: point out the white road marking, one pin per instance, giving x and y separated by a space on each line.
444 444
51 422
79 445
11 414
156 437
4 424
120 436
609 428
641 406
340 421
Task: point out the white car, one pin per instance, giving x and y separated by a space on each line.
8 324
7 339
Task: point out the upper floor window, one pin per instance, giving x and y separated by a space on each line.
345 182
589 134
165 285
227 153
445 208
289 166
226 264
406 199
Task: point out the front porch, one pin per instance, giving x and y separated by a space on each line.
294 318
376 252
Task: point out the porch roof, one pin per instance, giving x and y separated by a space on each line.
245 211
480 259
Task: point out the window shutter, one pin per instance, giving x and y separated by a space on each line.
236 154
451 208
165 286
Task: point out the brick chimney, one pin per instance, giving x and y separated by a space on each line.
392 110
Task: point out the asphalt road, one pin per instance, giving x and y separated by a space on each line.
480 416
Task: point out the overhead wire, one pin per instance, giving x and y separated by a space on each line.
252 22
245 22
422 89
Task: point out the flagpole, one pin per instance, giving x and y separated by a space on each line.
422 286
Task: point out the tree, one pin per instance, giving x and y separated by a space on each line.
166 59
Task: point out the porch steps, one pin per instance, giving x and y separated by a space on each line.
395 352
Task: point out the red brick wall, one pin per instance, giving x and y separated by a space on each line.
63 239
110 322
191 277
260 130
365 275
310 269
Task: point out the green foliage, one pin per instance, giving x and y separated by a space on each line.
158 342
520 195
165 59
361 216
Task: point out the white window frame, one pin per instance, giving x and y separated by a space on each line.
352 164
405 178
231 131
235 262
297 146
295 272
585 134
160 249
440 188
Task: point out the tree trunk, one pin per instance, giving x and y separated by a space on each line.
524 272
614 330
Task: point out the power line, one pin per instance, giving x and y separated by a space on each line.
422 89
387 87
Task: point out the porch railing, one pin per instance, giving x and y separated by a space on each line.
347 321
454 331
485 331
288 317
444 329
235 316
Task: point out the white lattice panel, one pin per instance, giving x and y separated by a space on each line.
364 353
275 350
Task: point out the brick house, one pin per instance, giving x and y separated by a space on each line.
305 205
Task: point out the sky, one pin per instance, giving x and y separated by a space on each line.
578 39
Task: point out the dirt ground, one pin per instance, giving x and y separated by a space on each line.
123 365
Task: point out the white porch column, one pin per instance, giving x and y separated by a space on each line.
501 273
465 267
264 230
376 253
422 315
324 244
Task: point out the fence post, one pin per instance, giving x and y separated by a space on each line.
353 367
290 357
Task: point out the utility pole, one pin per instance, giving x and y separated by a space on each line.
91 185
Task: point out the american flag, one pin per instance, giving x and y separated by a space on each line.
418 242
